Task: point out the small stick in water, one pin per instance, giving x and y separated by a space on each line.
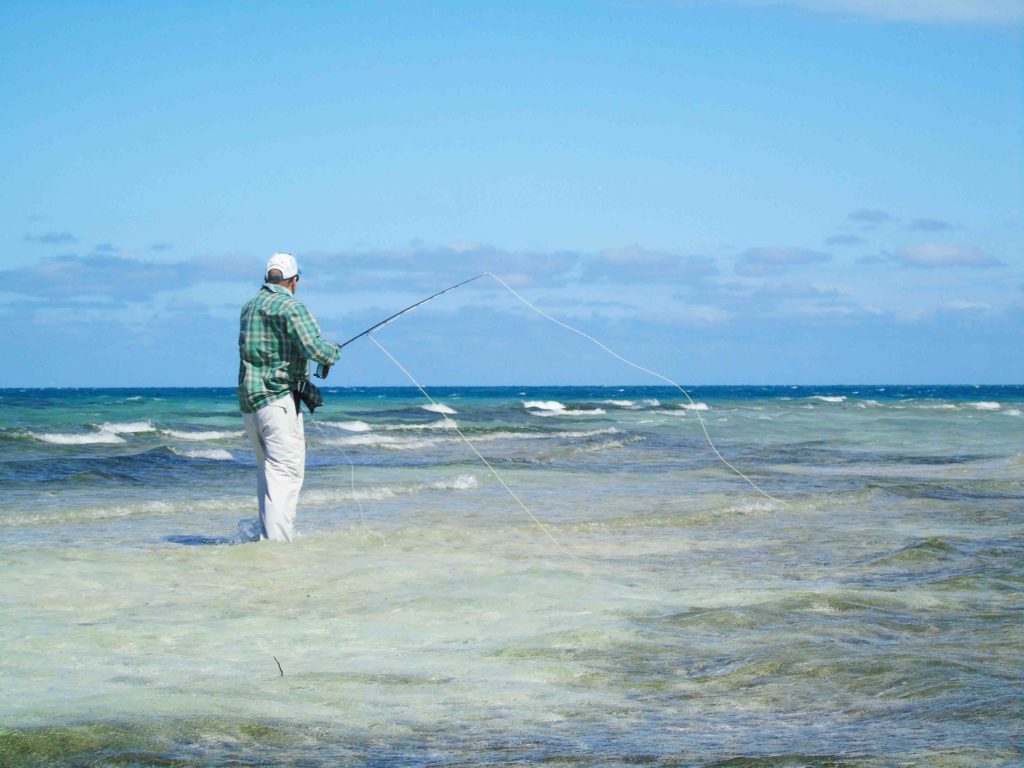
279 667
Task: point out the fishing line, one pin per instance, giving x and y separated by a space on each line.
617 356
351 478
401 312
368 333
472 447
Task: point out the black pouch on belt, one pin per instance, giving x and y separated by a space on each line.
309 394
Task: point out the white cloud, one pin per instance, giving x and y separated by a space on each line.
933 255
872 216
100 274
929 225
51 238
759 262
640 265
423 267
967 306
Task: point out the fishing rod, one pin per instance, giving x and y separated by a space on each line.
577 331
373 328
322 370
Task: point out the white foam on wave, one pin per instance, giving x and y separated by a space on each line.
439 408
208 435
565 435
210 454
653 402
696 406
829 398
937 407
664 412
585 433
398 443
444 423
555 408
629 405
986 406
459 483
128 427
605 446
544 405
326 497
1012 412
388 442
349 426
609 445
96 438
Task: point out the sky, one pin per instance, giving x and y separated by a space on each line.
731 192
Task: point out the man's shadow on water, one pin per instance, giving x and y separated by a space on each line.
201 541
246 532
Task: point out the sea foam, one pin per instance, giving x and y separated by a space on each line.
96 438
439 408
349 426
555 408
128 427
459 483
208 435
544 405
210 454
388 442
444 423
627 404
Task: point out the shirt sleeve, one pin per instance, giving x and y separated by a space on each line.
305 333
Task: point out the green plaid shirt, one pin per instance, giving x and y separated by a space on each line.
277 339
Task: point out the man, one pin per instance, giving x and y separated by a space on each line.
277 339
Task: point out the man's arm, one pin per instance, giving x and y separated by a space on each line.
305 333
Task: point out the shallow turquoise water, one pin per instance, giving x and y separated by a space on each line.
873 618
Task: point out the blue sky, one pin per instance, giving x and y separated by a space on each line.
788 191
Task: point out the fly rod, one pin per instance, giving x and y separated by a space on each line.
322 370
373 328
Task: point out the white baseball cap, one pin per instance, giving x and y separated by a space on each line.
284 262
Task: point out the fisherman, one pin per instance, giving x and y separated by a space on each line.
277 339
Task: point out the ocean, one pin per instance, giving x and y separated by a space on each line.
660 610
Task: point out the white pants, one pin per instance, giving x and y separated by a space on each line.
277 435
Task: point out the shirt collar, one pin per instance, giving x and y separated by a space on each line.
274 288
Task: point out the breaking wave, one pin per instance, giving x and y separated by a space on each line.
208 435
544 405
444 423
210 454
128 427
348 426
555 408
387 442
439 408
986 406
95 438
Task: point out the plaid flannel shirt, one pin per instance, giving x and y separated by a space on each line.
277 339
